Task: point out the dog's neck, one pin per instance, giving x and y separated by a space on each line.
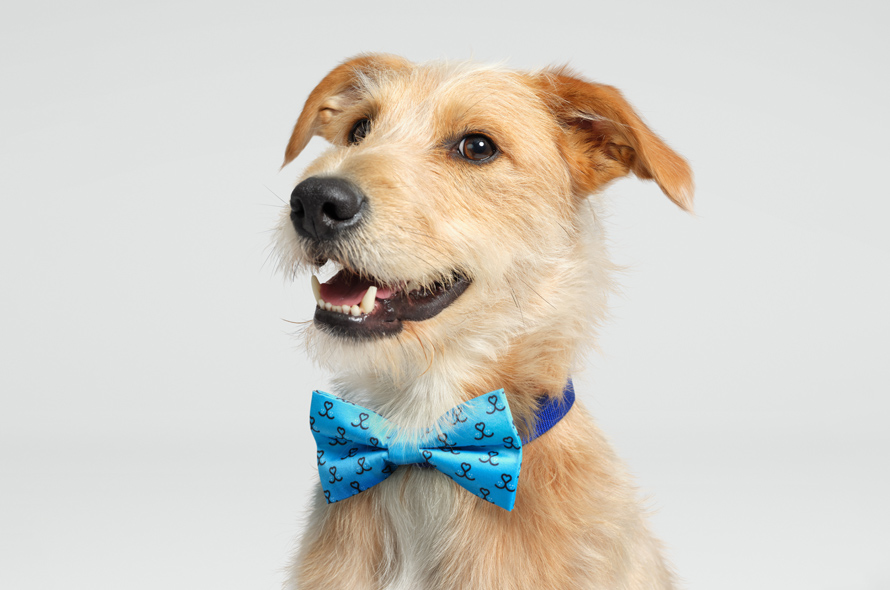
408 401
416 400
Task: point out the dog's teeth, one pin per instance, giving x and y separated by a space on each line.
367 304
411 286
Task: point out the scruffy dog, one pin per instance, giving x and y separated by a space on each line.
459 205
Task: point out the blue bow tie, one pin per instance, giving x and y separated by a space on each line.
476 445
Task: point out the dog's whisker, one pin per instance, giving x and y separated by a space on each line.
276 195
533 290
565 229
516 302
470 107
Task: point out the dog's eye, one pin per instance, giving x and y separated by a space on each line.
476 148
359 131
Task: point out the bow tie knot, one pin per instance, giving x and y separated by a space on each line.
406 452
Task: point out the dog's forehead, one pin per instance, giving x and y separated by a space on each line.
459 95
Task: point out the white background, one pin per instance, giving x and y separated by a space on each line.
152 418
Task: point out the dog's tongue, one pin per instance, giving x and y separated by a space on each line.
347 288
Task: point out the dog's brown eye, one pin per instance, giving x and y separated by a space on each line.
476 147
359 131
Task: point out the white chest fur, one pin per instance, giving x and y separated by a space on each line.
420 505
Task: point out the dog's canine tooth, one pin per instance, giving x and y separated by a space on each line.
367 304
320 302
316 288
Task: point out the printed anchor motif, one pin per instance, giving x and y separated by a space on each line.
476 445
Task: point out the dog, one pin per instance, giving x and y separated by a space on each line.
459 204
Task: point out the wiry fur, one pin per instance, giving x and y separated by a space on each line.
525 228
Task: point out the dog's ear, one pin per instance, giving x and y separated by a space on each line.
605 138
334 93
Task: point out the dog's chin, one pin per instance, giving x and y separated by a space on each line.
355 307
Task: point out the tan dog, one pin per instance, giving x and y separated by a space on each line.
462 194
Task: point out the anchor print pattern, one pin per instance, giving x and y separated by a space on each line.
465 471
474 444
504 484
328 406
482 432
362 418
490 458
495 406
339 440
446 446
457 416
362 468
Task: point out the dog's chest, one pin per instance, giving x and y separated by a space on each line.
420 505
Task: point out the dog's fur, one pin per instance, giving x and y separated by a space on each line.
527 229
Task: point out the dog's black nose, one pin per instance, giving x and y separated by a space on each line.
322 207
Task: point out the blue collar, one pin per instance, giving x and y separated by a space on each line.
552 411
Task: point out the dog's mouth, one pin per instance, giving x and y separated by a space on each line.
356 306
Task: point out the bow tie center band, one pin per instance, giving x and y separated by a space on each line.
477 445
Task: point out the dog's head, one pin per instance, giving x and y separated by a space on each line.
459 193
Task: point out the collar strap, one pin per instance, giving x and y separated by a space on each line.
551 411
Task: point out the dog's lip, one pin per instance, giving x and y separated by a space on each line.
392 306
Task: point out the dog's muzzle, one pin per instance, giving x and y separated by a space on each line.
353 303
322 208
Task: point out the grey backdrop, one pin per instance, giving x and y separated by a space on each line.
152 426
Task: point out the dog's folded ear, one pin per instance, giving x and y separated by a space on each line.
605 138
334 93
